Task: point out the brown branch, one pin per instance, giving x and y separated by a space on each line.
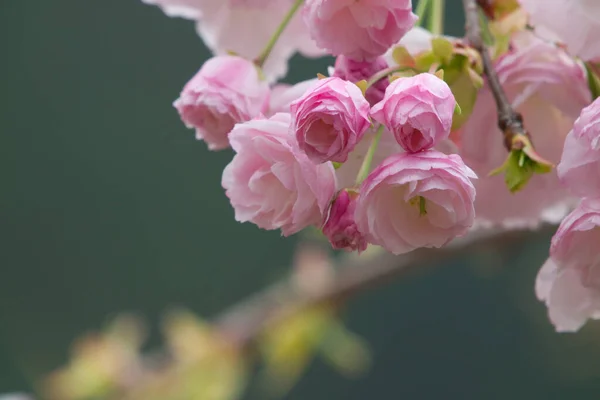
510 122
244 322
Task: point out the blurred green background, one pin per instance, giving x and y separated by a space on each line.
109 204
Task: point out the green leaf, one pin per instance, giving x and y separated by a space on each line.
425 60
518 170
402 56
442 48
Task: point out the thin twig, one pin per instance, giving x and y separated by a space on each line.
244 322
510 122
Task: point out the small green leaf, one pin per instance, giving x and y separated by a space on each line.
362 85
442 48
425 60
457 109
402 56
337 165
518 170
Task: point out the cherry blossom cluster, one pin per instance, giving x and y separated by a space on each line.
399 145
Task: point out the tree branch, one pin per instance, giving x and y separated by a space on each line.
510 122
245 321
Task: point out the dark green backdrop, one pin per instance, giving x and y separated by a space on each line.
110 204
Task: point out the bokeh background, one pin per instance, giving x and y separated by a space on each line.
109 204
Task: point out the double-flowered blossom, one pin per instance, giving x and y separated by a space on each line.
361 30
330 119
416 200
355 71
579 168
418 110
226 90
549 89
340 226
569 281
271 183
574 23
244 27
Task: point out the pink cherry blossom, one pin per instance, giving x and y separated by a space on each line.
361 30
579 168
549 89
340 226
574 23
418 110
416 200
330 119
355 71
225 91
569 282
272 184
244 27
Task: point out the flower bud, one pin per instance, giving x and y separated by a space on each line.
355 71
340 226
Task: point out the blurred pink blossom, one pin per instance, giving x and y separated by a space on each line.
569 282
575 23
330 119
579 168
340 226
360 30
417 110
272 184
549 89
244 27
225 91
416 200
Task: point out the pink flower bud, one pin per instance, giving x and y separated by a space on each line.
418 110
416 200
569 282
340 227
355 71
579 168
329 119
360 30
272 184
225 91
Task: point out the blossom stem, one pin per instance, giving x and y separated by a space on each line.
510 122
421 11
384 73
436 17
260 61
365 168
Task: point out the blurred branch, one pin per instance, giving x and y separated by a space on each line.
244 322
510 122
